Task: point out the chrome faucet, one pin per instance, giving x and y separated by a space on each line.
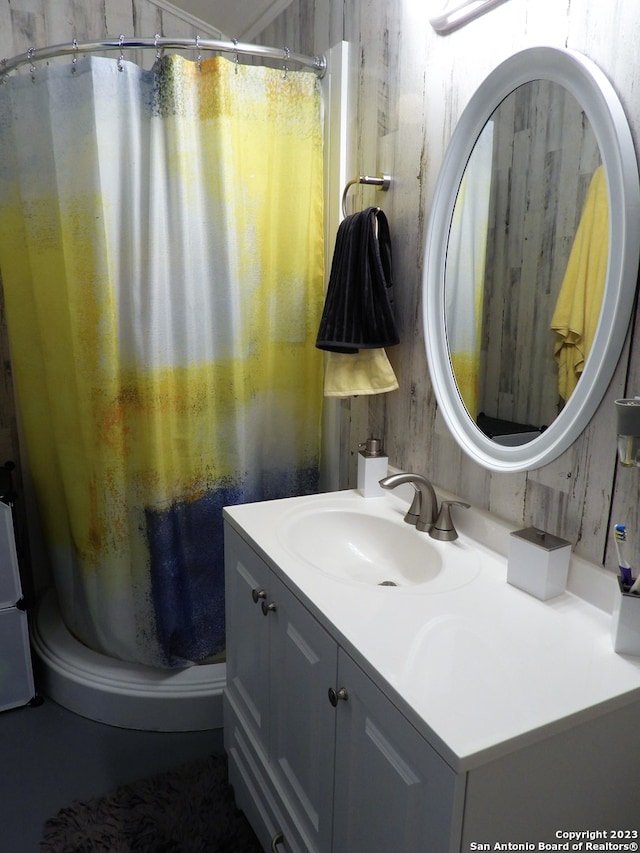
423 511
424 507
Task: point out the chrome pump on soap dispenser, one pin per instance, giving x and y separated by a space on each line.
372 467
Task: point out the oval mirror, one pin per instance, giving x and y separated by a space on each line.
531 258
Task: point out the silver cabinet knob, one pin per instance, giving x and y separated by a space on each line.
336 695
277 839
268 608
257 594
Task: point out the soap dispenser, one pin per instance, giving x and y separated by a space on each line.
372 467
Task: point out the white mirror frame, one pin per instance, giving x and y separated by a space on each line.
584 80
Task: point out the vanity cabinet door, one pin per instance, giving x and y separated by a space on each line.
392 790
304 661
280 665
247 583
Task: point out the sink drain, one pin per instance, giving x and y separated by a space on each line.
387 583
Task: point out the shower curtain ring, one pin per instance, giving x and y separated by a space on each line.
156 38
32 67
285 67
236 58
74 61
121 57
199 57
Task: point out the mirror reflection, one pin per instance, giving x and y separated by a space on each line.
526 262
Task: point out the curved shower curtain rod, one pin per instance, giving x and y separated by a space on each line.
317 63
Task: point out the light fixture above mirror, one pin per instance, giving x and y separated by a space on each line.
591 104
445 17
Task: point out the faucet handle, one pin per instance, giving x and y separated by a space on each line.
444 529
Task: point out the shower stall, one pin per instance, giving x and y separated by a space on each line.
162 260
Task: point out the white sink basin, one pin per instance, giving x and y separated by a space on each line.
365 542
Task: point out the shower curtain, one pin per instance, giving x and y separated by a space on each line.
162 261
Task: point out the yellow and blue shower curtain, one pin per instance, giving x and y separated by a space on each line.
162 262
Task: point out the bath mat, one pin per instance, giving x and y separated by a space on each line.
187 810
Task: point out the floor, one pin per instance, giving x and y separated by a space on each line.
50 757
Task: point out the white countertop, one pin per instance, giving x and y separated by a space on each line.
481 669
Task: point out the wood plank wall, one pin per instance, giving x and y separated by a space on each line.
409 88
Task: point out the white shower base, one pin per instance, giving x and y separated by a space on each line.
121 694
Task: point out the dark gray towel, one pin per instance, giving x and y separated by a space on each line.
358 309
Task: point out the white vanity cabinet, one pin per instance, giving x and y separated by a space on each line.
319 758
465 715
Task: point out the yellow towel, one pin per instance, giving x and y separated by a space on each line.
577 311
367 371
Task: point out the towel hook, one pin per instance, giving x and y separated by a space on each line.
381 182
